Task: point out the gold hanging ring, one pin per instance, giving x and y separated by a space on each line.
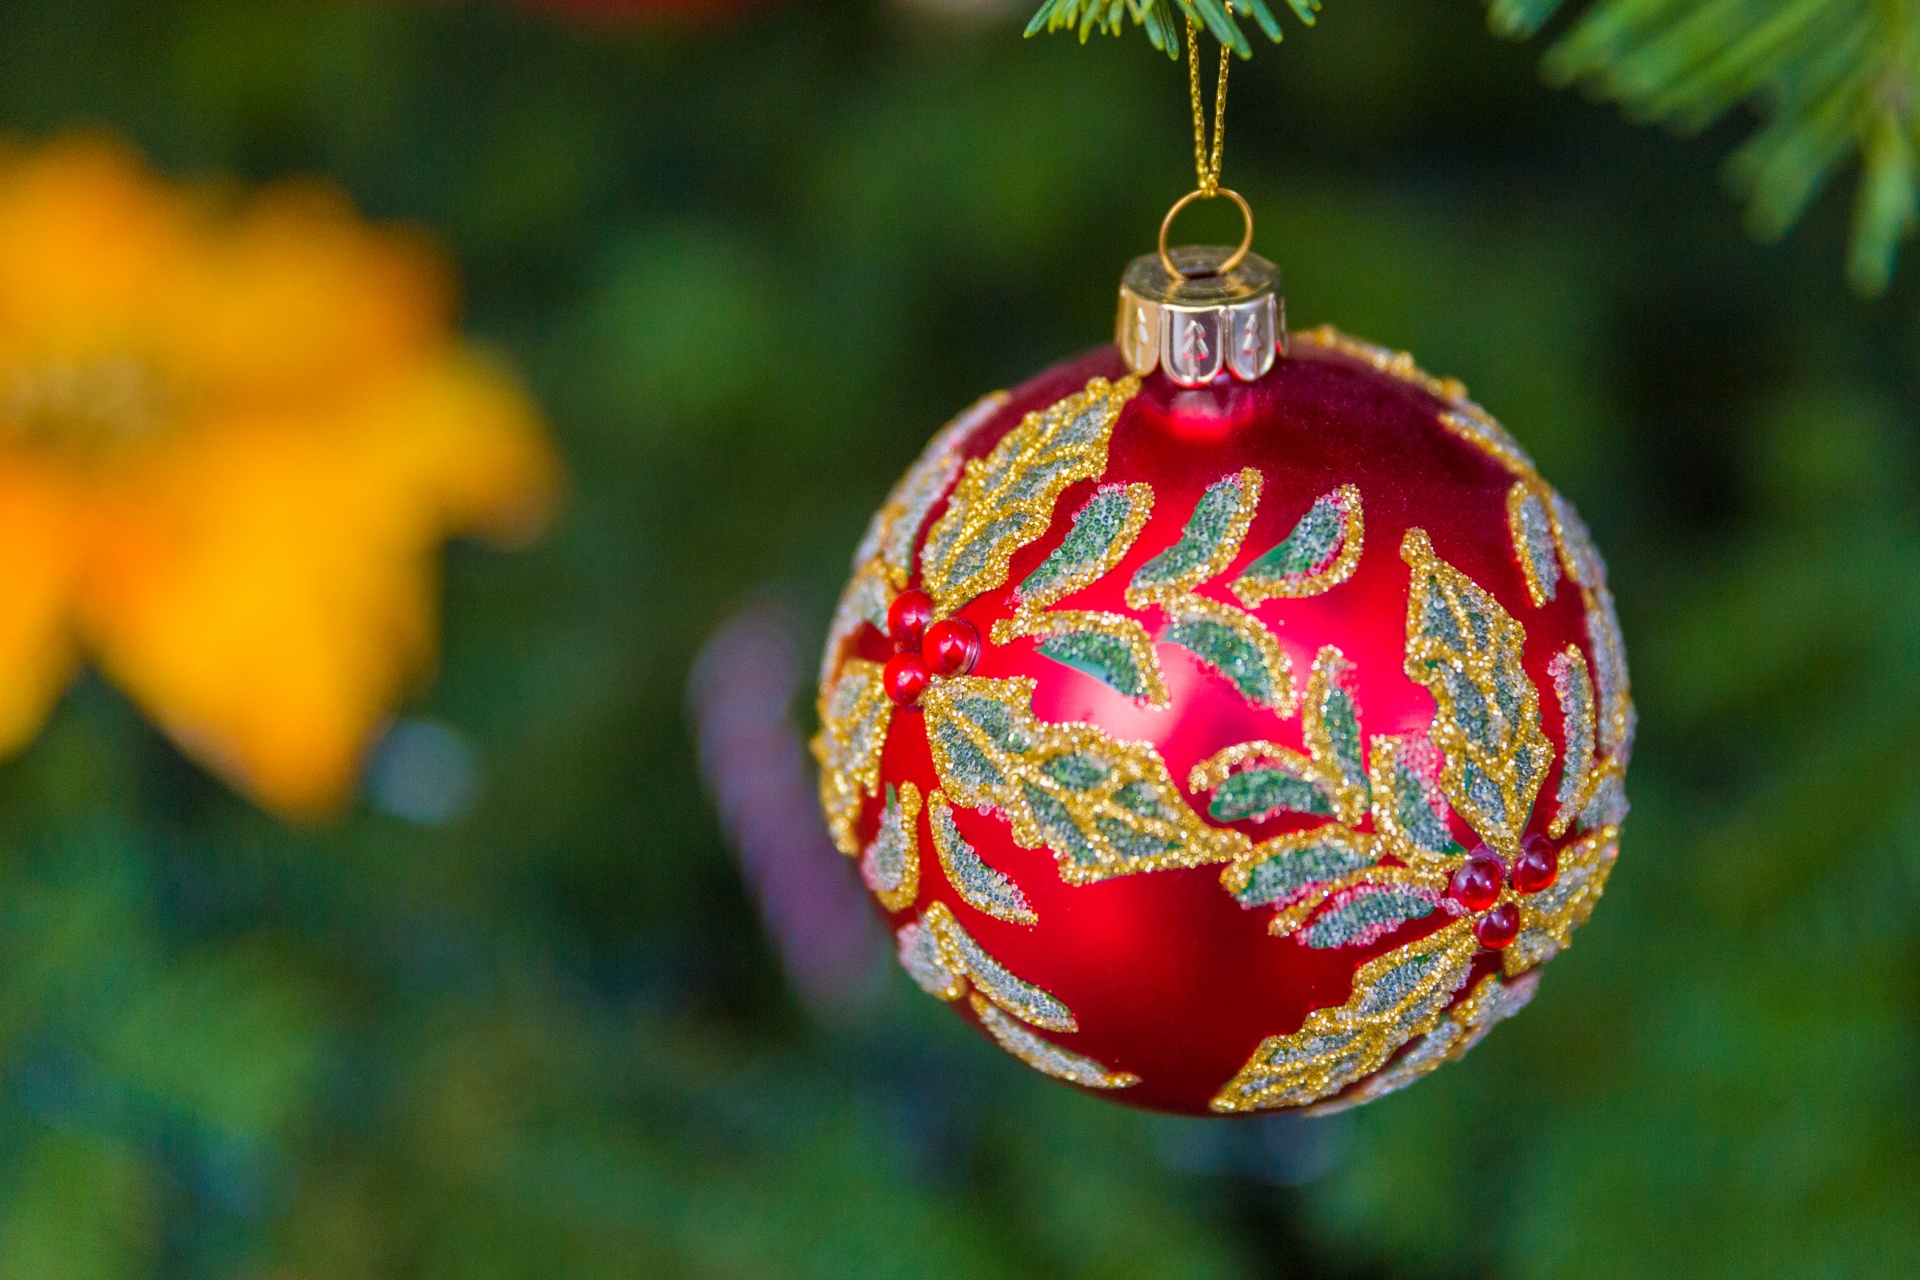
1246 240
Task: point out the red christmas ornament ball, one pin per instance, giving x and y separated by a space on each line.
1266 736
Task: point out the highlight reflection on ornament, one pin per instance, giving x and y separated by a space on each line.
1242 768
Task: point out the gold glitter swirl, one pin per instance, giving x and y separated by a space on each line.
854 714
1043 1055
1465 650
1105 807
1396 997
1005 500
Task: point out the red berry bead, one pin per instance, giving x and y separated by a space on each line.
1536 867
905 677
908 618
952 647
1499 927
1476 885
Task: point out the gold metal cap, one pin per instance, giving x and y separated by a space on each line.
1196 320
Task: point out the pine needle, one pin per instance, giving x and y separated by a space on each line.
1830 79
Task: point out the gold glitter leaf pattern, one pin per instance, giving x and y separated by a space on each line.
1466 651
1330 724
1491 1001
1105 807
1363 905
891 864
1610 681
1110 647
1103 532
864 600
1577 552
1236 645
1228 639
979 885
1005 500
1573 686
1533 542
1300 867
1474 425
1548 918
1275 780
1321 553
854 713
1410 809
1045 1056
1207 545
1463 417
890 536
920 956
1397 364
962 959
1396 997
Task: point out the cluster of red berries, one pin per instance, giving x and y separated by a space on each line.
924 648
1476 886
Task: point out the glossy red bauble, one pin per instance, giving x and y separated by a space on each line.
1476 883
1499 927
905 678
952 647
1266 736
1537 866
908 617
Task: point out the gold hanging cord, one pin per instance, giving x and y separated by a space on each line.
1206 160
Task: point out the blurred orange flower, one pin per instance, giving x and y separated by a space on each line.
233 433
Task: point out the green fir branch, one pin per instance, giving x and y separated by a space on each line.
1163 19
1828 78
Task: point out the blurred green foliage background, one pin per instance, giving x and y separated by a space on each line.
530 1026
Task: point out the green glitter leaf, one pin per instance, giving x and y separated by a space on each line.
1365 916
1106 658
1254 795
1291 868
1228 651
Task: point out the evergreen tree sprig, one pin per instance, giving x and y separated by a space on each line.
1161 19
1828 78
